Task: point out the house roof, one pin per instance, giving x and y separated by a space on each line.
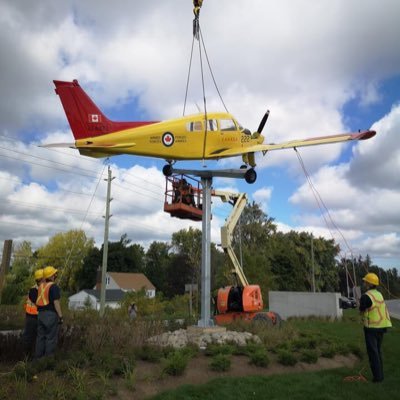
112 295
129 281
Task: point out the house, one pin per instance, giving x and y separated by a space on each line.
127 281
90 298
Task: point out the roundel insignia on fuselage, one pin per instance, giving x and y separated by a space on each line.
168 139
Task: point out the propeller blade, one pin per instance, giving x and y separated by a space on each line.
262 123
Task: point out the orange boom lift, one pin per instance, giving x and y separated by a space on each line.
241 301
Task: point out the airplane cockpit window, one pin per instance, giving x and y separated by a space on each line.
227 125
243 130
194 126
212 125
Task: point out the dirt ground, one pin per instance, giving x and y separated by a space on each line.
150 381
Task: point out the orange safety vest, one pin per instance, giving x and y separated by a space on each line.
30 306
377 316
43 294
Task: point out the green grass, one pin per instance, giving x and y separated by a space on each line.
323 385
100 359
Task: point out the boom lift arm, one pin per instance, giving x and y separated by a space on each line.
238 200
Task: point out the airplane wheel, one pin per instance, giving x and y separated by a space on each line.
243 166
167 170
250 176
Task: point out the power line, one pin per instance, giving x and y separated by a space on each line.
43 159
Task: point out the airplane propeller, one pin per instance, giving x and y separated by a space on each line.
263 122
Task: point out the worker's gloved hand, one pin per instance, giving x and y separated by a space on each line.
60 321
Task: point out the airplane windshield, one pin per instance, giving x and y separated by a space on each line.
227 125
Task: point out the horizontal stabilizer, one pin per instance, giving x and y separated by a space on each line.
62 145
105 146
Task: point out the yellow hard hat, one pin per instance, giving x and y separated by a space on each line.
38 274
371 278
48 272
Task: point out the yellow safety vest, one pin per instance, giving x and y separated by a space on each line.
30 306
43 294
377 316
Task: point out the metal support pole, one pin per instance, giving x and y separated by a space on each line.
105 245
206 320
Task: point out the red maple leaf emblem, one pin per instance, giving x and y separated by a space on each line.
168 139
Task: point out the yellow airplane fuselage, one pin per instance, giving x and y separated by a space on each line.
185 138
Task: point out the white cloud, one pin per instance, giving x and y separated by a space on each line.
303 63
263 196
357 196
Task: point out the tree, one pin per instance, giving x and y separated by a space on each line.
253 236
86 276
179 272
187 243
124 256
66 252
157 264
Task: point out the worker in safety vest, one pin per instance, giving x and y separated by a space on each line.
50 314
31 313
376 321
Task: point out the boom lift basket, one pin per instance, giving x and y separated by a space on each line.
183 197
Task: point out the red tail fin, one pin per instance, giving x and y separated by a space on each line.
84 117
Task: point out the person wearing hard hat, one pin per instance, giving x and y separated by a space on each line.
31 313
376 321
50 314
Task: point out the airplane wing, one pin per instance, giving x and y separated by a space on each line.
343 137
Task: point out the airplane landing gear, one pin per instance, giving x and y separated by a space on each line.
167 170
250 176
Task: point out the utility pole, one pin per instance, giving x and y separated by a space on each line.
347 278
105 245
312 263
5 262
387 281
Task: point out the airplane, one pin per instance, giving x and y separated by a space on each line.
186 138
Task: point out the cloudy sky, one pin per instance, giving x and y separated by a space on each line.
320 67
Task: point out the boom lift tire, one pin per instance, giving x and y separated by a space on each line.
268 319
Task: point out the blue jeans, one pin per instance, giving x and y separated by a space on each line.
373 342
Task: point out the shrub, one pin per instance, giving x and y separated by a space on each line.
286 346
304 343
328 350
252 347
309 356
191 350
285 357
259 358
356 350
343 349
129 375
213 349
150 353
220 363
175 363
24 371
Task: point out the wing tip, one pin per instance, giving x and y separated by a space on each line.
366 135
